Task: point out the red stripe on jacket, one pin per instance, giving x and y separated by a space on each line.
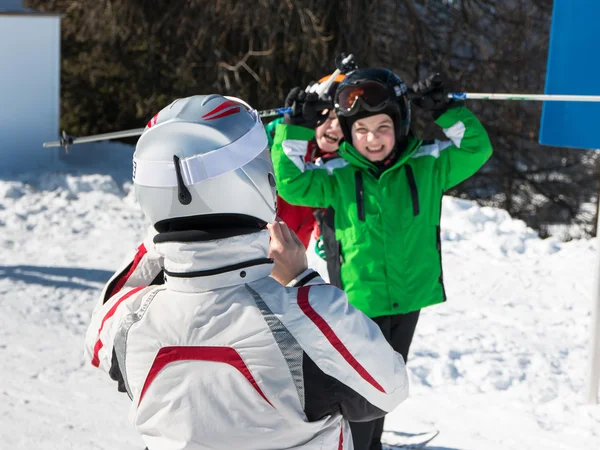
141 251
313 315
227 355
109 314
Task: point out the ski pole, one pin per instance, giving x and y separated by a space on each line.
66 140
530 97
275 112
347 64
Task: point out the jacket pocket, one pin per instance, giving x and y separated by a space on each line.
414 192
409 212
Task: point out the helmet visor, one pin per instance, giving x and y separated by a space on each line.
371 95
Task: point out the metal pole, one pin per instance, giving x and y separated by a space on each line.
69 140
94 138
530 97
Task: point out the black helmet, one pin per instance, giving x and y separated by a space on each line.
368 92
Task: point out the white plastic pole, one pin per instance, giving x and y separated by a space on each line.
594 352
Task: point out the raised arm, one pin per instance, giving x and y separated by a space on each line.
468 149
469 146
299 182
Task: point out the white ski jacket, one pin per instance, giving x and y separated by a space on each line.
221 356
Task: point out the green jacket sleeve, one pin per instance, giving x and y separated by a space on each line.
299 182
469 147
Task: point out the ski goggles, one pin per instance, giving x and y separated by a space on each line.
371 96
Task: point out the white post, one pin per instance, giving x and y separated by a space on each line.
594 355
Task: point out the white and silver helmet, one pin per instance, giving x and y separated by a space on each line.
204 160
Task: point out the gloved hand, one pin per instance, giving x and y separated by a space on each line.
432 95
307 109
345 65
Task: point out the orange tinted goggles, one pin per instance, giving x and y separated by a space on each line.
370 95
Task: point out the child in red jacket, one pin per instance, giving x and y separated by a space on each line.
321 151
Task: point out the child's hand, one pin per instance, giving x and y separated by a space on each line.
431 94
308 110
288 253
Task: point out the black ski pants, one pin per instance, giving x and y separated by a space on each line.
399 330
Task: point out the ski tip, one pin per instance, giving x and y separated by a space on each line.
395 440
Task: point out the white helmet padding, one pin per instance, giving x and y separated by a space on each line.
205 157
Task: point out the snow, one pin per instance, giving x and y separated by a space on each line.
501 365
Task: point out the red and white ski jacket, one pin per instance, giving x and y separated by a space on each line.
221 356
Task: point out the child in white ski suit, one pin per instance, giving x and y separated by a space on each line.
215 328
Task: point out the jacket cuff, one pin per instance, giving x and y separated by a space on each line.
309 276
450 115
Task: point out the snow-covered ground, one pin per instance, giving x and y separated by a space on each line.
499 366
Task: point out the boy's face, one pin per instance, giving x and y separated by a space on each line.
374 137
328 134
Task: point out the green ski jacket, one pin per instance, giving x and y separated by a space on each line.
386 251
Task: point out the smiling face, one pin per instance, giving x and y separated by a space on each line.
328 134
374 137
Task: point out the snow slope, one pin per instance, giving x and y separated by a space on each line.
501 365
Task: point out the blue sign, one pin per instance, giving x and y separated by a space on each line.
573 68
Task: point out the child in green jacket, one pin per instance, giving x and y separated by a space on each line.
384 205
